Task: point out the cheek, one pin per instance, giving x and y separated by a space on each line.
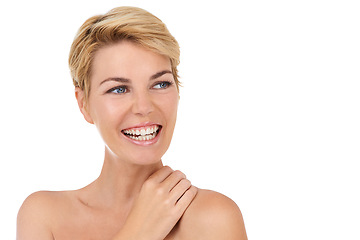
170 105
108 115
170 108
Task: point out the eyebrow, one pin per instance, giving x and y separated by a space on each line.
126 80
159 74
116 79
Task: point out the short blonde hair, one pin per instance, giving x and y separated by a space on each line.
122 23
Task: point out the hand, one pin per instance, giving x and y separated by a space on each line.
162 201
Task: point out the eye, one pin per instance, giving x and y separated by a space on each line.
118 90
162 85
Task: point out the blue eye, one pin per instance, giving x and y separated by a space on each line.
118 90
162 85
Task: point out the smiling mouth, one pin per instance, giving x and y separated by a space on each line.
143 133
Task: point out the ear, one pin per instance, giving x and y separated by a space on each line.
80 97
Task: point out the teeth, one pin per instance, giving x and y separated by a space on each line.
143 138
143 134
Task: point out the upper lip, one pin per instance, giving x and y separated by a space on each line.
142 125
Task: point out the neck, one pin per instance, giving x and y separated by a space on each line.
120 182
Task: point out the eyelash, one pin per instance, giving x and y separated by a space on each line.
116 88
167 83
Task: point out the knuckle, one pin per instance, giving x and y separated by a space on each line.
149 182
191 191
179 174
167 168
194 190
167 203
186 182
160 191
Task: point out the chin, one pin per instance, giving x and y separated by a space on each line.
141 145
136 156
146 156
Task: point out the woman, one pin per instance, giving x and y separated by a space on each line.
124 68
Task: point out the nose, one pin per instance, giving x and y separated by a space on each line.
142 104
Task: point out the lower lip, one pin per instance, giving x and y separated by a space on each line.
146 142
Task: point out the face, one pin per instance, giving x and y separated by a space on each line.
133 102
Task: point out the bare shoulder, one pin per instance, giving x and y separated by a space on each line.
212 215
35 216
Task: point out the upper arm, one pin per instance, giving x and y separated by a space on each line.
33 220
213 216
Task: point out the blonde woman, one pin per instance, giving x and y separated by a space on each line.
124 69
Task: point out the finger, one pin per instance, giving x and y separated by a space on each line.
186 199
160 175
173 179
178 191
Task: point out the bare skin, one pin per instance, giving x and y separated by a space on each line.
135 196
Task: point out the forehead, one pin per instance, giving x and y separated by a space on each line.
127 59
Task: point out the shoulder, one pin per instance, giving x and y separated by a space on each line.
35 216
212 215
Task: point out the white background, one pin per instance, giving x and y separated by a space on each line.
269 113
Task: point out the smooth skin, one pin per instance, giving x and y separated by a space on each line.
135 196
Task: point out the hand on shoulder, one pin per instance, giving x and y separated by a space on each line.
212 216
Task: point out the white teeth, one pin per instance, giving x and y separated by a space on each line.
143 134
143 138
